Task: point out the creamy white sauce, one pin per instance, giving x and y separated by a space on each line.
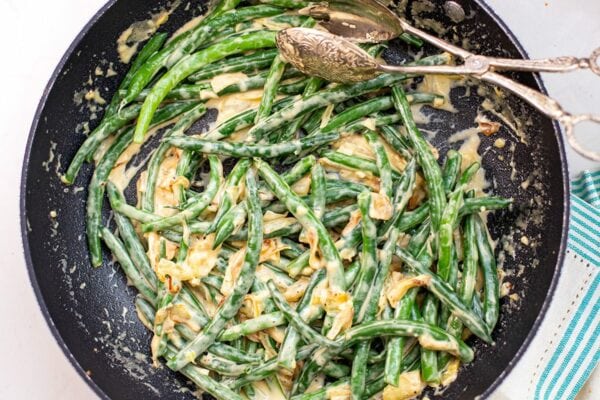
130 39
469 150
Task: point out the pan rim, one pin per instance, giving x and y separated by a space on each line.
22 200
557 270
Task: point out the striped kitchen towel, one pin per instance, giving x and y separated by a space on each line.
566 348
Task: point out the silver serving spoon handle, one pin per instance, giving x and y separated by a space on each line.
336 59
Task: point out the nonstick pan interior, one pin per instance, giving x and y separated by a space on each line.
91 311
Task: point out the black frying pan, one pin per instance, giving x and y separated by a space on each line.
91 312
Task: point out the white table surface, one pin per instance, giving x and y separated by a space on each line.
36 33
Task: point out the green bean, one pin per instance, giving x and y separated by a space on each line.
189 41
257 81
239 121
411 39
230 190
293 250
334 191
120 252
244 63
395 347
185 168
446 232
296 266
257 324
419 238
213 280
394 139
479 204
200 91
250 150
268 368
429 358
293 88
231 353
379 120
429 336
358 378
451 170
354 162
295 320
358 111
470 261
477 306
339 184
368 256
107 127
299 170
286 3
270 89
311 87
404 192
466 290
413 218
258 373
368 310
431 169
191 64
186 120
220 6
227 33
152 46
335 269
230 223
468 173
291 19
383 164
491 289
196 207
313 119
135 249
230 306
470 206
318 191
447 296
376 49
164 298
204 382
222 366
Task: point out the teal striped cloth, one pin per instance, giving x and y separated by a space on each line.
566 349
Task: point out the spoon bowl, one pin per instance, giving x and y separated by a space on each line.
358 20
322 54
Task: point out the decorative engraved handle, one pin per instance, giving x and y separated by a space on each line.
558 64
550 107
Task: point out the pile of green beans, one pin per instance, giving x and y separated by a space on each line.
305 269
